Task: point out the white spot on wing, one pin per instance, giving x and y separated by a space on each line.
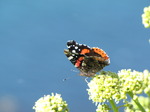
76 47
73 51
70 58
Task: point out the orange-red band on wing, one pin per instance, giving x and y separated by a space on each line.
101 52
78 62
84 51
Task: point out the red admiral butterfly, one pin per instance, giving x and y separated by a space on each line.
88 60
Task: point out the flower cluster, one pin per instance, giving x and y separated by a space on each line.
102 108
51 103
131 81
145 102
146 17
146 85
109 86
103 87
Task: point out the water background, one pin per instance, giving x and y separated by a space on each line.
33 35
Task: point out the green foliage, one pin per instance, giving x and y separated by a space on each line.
145 102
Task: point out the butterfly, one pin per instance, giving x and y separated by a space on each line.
87 60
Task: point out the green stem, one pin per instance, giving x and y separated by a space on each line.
148 94
113 105
136 102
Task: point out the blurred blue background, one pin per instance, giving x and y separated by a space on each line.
33 35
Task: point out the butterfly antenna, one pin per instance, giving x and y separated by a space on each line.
66 79
71 75
74 70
